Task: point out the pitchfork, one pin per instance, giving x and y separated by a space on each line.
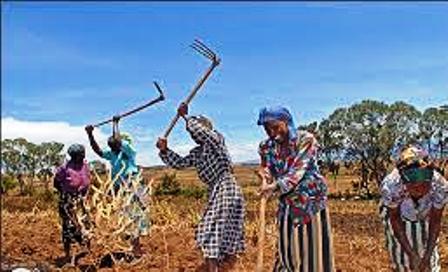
202 49
152 102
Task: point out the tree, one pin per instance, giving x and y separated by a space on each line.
331 135
366 133
434 130
21 158
51 157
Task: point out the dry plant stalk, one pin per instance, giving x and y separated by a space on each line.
111 220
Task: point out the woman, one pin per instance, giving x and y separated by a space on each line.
220 233
122 157
120 154
288 161
72 181
413 199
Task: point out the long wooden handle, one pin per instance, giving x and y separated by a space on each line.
261 234
150 103
191 95
262 227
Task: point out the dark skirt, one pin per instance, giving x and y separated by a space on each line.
305 248
69 207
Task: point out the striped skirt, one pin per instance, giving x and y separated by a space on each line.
417 233
305 248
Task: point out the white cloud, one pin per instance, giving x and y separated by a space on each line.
63 132
45 131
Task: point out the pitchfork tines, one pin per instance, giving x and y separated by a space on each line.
202 49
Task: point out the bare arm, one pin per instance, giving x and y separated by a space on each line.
435 219
93 143
400 233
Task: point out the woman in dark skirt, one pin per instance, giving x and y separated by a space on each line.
220 233
72 181
289 164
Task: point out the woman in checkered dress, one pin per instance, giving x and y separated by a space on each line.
220 233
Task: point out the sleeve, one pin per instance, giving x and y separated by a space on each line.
262 152
86 182
174 160
59 178
390 191
440 189
300 163
128 149
202 134
107 154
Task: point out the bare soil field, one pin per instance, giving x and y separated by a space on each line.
31 231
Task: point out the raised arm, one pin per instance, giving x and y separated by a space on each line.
93 143
172 159
198 131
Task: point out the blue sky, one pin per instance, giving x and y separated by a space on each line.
80 63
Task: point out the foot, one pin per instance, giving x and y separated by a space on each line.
138 251
228 263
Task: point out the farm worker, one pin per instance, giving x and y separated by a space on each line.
413 197
220 232
121 155
289 164
72 181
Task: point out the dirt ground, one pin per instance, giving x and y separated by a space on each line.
31 236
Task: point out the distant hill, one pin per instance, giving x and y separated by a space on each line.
248 163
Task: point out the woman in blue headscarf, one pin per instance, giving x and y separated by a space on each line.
289 164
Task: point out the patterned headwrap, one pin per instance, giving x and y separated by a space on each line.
204 121
277 114
414 165
76 149
124 136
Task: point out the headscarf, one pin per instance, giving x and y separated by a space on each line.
76 149
124 136
277 114
414 165
204 121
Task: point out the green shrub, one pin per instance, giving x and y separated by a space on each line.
194 191
29 189
168 186
8 183
45 198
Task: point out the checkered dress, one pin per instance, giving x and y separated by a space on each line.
221 229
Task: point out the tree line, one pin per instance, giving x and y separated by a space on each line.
369 134
366 134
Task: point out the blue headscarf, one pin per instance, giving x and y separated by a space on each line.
277 114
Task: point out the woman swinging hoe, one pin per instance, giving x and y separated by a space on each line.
121 155
220 233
